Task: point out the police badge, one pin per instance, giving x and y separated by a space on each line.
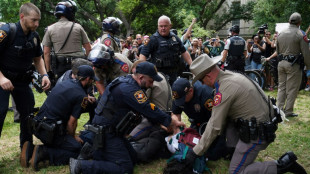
35 41
173 38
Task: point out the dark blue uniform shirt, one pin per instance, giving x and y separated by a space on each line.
66 99
200 107
123 95
18 56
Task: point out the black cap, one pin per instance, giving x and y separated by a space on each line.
235 29
86 71
179 89
149 69
186 31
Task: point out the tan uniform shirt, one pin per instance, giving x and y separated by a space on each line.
237 97
57 33
116 70
109 41
160 94
291 42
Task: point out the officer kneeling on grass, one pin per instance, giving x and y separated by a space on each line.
251 120
123 98
56 122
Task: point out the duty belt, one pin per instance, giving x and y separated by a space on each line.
289 58
65 59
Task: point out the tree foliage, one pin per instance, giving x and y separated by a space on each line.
279 11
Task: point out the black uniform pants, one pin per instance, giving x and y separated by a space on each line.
24 101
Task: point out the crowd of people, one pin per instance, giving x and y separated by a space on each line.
144 85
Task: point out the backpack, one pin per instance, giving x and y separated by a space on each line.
12 31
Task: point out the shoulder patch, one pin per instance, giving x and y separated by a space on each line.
107 42
2 35
217 99
209 104
125 68
84 102
140 96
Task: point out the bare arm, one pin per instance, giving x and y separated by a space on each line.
47 58
187 58
189 30
5 83
87 47
225 53
71 128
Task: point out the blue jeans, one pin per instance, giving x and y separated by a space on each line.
255 65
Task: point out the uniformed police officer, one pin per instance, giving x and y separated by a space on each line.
65 37
56 122
15 66
235 51
108 65
289 45
165 48
111 28
124 94
250 117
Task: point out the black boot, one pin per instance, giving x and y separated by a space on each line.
75 166
39 154
86 152
26 154
287 163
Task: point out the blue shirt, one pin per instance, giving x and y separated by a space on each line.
18 56
200 107
67 98
123 95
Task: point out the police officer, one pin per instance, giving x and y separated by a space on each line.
56 122
124 94
289 45
111 28
65 37
235 51
15 66
108 65
250 118
165 48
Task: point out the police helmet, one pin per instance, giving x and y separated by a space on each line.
101 55
235 29
67 9
112 24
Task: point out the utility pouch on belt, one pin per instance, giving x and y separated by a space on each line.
128 123
99 139
44 131
244 130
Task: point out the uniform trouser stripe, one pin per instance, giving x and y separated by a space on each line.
244 157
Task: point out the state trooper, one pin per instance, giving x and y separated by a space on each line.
55 124
250 118
108 65
165 48
111 27
235 51
19 48
123 96
290 47
65 37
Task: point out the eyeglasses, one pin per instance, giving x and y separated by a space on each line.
138 38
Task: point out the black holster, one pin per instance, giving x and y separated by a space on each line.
128 123
99 131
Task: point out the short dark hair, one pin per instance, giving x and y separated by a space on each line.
78 62
28 7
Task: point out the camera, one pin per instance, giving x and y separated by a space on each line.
261 29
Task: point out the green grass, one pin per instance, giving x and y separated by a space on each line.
293 135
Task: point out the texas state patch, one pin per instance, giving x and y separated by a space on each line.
2 35
217 99
140 96
84 102
125 68
209 104
107 42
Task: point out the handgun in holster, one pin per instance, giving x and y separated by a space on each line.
128 123
244 130
99 139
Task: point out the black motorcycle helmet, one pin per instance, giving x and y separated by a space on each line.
112 24
235 29
67 9
101 55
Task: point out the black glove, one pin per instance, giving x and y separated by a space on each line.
190 157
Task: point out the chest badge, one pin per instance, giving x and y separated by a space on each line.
173 38
35 41
197 107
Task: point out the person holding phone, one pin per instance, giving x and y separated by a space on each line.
215 46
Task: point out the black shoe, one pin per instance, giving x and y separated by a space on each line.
26 154
86 152
287 163
17 121
75 166
292 115
39 154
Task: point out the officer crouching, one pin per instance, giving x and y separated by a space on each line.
124 95
56 122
